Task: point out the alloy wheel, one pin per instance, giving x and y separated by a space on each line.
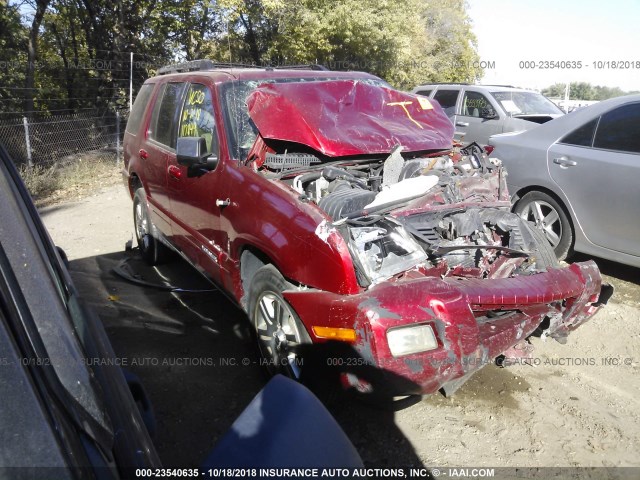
546 218
278 333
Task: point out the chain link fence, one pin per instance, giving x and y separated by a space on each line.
63 139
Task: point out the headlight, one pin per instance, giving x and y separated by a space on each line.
406 340
385 249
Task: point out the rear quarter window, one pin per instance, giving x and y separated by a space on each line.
581 136
139 107
619 129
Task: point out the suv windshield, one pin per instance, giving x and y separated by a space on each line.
526 103
241 131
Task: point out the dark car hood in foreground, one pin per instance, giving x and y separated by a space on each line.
348 117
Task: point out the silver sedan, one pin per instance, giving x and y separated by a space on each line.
578 178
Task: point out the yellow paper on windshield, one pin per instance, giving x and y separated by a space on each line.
425 104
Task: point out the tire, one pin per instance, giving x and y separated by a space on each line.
544 253
152 250
551 219
279 331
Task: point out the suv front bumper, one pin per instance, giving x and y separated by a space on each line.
474 320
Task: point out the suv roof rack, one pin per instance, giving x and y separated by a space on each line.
200 65
310 66
196 65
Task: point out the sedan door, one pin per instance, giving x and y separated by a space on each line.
599 175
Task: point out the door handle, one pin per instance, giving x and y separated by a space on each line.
462 124
143 154
564 162
174 172
223 203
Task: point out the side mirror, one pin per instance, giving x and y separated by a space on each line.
191 151
489 113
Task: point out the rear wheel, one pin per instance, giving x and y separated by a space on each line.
550 218
151 249
279 331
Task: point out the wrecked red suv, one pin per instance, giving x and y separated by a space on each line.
334 209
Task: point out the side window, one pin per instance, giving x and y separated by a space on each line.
619 129
475 104
581 136
425 93
196 118
163 120
447 100
139 107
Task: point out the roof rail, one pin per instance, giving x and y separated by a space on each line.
199 65
195 65
310 66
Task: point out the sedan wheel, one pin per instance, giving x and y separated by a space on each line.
545 212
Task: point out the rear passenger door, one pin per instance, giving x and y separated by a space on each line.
159 149
478 119
196 197
597 166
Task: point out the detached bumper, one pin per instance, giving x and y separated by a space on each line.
475 320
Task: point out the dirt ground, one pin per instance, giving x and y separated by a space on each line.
580 406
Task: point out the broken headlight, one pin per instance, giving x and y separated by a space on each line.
385 249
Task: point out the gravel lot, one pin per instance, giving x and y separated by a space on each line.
577 407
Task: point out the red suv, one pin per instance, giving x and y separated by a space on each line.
334 210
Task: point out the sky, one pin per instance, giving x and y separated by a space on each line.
538 31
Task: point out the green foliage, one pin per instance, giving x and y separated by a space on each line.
13 42
584 91
82 47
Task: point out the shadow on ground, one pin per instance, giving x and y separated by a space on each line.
197 360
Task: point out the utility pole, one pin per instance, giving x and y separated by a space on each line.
131 83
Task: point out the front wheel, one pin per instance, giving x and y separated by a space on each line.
550 218
279 331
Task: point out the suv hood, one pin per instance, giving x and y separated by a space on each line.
348 117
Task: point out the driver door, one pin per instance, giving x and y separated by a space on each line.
194 193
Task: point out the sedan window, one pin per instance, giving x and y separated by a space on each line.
582 136
619 129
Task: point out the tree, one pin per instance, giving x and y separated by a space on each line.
32 52
13 43
583 91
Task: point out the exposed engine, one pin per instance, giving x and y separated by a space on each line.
441 214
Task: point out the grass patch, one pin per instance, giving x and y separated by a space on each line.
40 181
75 180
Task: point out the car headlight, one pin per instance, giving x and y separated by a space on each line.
385 249
407 340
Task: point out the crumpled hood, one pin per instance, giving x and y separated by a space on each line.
348 117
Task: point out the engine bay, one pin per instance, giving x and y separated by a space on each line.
444 214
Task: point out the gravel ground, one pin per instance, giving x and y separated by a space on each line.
579 406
